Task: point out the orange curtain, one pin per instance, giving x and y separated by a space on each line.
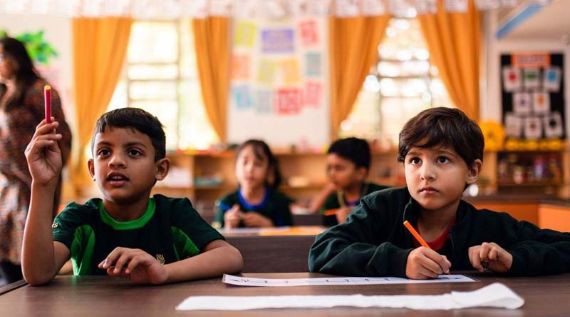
454 40
212 44
99 48
353 49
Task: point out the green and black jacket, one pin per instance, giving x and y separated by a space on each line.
336 200
374 242
170 230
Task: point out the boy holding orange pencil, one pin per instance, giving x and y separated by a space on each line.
442 152
348 162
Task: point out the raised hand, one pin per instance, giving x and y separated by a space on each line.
44 155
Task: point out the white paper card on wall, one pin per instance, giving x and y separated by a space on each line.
532 78
512 79
522 103
422 6
347 8
553 125
552 77
513 125
373 7
541 102
532 128
487 4
456 6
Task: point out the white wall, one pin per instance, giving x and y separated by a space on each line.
491 85
57 31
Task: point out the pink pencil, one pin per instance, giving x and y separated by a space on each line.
47 102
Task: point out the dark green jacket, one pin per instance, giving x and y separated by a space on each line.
374 242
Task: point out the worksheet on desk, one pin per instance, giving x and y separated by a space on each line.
254 281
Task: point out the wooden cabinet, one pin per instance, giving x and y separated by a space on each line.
537 173
204 177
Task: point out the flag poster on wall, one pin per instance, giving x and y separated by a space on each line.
278 82
532 96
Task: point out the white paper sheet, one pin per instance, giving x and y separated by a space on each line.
253 281
495 295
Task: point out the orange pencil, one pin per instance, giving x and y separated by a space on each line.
416 234
330 212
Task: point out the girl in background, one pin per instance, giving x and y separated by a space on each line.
257 202
21 109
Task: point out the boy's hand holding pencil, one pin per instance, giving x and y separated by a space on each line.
423 262
43 153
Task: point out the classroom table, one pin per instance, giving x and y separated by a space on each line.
105 296
264 250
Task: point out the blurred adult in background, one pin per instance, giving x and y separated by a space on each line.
21 109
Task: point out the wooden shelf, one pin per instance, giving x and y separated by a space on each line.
307 166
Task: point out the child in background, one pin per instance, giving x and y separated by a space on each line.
257 202
148 240
348 163
442 152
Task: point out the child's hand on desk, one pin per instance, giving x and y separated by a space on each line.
342 213
232 217
425 263
136 265
254 219
490 255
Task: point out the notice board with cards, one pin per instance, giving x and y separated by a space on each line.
279 87
533 96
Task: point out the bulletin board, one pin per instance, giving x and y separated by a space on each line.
278 87
533 96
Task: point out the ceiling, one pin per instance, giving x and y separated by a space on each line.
552 22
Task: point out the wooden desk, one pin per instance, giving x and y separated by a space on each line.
103 296
274 249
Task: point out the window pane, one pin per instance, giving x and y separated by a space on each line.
196 128
144 90
166 112
188 67
402 84
153 42
153 72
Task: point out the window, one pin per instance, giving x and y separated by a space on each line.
400 85
161 77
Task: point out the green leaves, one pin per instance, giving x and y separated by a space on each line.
39 49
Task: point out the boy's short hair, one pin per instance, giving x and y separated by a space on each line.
138 119
443 126
353 149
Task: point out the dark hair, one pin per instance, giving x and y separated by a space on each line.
263 152
443 126
353 149
26 73
139 120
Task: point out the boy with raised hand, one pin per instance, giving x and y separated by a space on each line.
152 240
442 152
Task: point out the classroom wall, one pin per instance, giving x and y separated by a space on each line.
57 31
491 80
